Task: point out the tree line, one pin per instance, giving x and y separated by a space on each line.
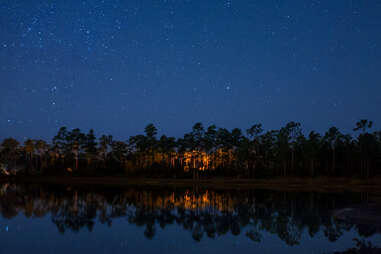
201 153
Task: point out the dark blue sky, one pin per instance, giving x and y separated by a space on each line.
116 65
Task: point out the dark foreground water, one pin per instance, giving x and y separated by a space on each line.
73 219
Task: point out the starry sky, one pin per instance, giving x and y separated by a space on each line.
117 65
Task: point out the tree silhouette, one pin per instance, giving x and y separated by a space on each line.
363 125
332 137
312 149
202 153
10 152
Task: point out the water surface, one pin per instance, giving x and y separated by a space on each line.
84 219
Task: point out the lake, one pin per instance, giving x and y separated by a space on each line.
87 219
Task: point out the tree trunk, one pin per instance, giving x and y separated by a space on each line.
312 168
333 162
284 168
292 158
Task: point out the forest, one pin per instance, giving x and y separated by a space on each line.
202 153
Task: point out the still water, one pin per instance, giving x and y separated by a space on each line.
80 219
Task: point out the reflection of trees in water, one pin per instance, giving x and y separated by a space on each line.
65 218
362 247
202 213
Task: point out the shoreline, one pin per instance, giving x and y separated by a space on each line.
288 184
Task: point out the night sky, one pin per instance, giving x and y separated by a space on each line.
117 65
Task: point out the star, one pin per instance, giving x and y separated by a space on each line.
60 57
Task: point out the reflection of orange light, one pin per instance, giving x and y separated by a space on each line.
187 198
69 170
205 197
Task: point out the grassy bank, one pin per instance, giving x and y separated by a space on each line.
297 184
